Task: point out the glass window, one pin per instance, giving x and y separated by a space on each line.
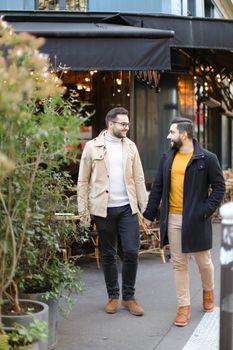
57 5
192 7
209 9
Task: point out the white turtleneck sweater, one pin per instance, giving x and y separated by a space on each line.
117 192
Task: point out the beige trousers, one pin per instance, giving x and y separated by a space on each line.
181 262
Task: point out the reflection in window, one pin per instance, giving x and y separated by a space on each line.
209 9
191 7
61 5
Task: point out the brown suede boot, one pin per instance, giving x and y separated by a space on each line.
208 300
133 307
182 316
112 306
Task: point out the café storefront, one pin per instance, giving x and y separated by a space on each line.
157 66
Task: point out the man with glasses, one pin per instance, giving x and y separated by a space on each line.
111 186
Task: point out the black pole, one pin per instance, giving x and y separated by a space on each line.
226 297
198 112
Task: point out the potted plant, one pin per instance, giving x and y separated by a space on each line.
36 124
35 311
20 337
43 275
40 269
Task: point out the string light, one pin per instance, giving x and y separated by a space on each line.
118 81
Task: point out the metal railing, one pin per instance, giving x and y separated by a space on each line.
62 5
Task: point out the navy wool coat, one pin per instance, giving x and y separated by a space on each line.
204 188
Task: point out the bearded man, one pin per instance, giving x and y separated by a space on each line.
191 186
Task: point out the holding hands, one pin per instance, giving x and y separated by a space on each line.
147 222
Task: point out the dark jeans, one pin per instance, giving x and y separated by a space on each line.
119 234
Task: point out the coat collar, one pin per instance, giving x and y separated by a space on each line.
198 152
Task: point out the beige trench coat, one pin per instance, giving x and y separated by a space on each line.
93 180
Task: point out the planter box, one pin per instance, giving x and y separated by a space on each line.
25 320
53 315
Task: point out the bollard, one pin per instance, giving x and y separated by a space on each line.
226 296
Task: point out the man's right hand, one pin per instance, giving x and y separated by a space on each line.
147 222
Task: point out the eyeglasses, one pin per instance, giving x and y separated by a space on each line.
124 125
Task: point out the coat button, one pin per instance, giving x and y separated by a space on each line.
106 191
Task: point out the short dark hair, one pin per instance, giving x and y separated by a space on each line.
184 124
112 114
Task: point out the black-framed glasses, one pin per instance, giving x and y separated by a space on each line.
123 124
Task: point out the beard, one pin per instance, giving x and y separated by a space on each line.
176 144
119 134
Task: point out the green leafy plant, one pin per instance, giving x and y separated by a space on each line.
20 337
36 125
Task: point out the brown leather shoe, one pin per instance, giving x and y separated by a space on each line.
208 300
182 316
112 306
133 307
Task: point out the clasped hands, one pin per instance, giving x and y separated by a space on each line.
147 222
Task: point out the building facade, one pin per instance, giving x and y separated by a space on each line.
199 8
195 81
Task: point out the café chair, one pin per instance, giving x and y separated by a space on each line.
150 238
92 233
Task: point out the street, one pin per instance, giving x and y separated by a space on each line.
89 328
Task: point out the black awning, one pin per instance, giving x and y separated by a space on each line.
109 54
201 39
192 32
102 46
115 41
88 30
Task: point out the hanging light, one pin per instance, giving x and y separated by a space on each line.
218 77
206 87
118 81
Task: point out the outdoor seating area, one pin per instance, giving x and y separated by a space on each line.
74 248
90 246
69 214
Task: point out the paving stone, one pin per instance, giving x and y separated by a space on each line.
206 335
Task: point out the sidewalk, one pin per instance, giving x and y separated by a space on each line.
90 328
